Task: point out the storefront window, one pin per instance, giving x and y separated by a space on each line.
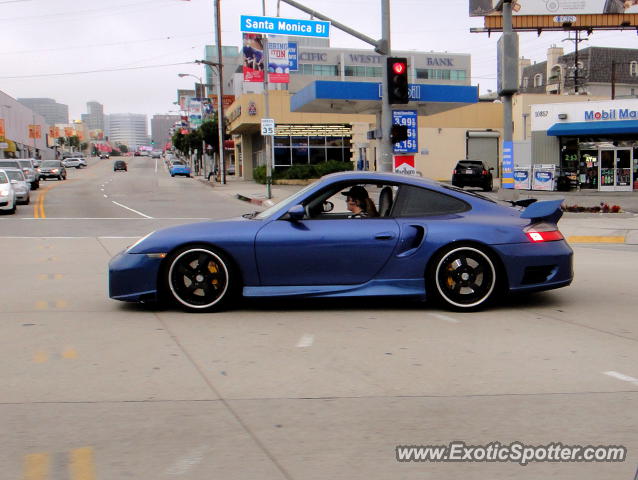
317 155
589 169
282 157
334 154
299 141
299 156
282 141
334 141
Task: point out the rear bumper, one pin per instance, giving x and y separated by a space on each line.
535 267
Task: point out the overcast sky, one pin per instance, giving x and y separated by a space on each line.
43 37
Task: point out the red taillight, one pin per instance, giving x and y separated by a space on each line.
484 172
543 232
454 172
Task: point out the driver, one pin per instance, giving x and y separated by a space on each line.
359 203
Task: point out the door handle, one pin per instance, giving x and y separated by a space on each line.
384 236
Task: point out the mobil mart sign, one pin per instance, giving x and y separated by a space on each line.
404 164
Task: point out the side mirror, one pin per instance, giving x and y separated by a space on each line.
491 168
296 213
328 207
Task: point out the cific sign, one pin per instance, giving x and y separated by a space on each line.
284 26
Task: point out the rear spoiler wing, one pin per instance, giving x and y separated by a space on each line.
547 211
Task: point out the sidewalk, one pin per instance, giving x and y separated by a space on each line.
576 227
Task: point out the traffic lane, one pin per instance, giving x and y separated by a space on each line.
355 438
335 352
143 440
604 280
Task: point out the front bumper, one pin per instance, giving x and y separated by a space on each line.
49 175
133 277
537 266
22 196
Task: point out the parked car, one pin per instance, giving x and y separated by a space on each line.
472 173
178 167
52 169
83 163
120 165
72 162
424 240
104 156
20 185
16 163
30 170
156 154
8 199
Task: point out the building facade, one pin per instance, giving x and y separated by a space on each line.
52 111
15 119
592 145
94 119
596 71
130 129
161 126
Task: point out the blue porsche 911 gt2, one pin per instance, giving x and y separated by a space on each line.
354 234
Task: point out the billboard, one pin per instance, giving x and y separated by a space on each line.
253 57
481 8
278 63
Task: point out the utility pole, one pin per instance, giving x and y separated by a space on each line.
613 80
220 92
267 138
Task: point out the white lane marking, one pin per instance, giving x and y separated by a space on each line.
156 165
622 376
445 318
106 196
59 238
187 462
101 189
306 340
129 208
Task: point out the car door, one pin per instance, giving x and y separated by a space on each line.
341 251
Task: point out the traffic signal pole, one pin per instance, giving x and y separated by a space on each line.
382 47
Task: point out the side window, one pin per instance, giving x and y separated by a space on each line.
3 178
375 199
421 202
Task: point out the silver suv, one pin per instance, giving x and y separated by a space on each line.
30 170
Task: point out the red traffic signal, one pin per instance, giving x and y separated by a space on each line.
399 67
397 76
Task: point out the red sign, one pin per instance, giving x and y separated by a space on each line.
35 131
404 164
2 131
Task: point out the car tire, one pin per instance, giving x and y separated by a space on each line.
28 201
60 178
464 277
190 270
172 175
13 209
35 185
488 188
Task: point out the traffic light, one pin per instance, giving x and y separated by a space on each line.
398 133
397 72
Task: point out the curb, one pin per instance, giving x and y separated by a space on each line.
256 201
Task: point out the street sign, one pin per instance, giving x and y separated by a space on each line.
409 119
507 179
285 26
268 126
404 164
292 56
4 145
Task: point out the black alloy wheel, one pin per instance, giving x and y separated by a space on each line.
199 278
464 277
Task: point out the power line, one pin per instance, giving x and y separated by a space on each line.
41 75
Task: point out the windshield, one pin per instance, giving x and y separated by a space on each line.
25 163
269 211
51 163
3 178
11 163
15 175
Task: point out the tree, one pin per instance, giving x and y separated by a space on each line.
84 146
74 141
122 148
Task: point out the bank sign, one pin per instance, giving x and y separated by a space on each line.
285 26
611 114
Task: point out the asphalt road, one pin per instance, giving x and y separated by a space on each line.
93 389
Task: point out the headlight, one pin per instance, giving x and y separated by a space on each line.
4 193
131 247
55 170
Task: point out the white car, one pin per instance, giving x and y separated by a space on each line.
72 162
20 185
7 194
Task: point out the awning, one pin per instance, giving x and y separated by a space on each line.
323 96
618 127
11 146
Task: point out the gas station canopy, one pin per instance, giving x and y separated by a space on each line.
365 97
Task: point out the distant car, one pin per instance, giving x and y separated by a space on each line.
20 185
52 169
104 156
156 154
120 165
30 170
7 194
72 162
231 169
472 173
178 167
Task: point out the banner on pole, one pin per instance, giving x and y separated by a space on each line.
253 57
